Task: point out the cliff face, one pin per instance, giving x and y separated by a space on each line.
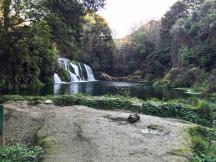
125 47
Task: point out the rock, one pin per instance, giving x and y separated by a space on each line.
133 118
155 127
48 102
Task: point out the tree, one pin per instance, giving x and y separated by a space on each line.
66 21
197 33
25 43
174 30
31 32
98 42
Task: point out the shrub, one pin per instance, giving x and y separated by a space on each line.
203 149
65 100
64 75
20 153
107 104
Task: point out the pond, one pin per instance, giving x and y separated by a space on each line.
134 89
96 88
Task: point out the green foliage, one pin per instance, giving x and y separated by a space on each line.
143 47
98 43
109 104
186 56
196 34
65 100
206 54
64 75
66 19
188 111
203 148
32 32
30 60
174 111
1 120
26 49
20 153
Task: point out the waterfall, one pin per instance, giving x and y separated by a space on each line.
76 69
78 72
57 79
90 73
74 77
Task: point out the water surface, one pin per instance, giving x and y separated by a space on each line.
135 89
97 88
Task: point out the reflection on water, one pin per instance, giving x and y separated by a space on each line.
140 90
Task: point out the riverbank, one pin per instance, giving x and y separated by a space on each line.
39 112
198 110
79 133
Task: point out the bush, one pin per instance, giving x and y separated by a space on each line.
202 115
203 149
64 75
175 111
20 153
65 100
107 104
28 58
199 145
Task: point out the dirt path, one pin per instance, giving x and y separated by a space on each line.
82 134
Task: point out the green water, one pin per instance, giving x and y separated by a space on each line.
134 89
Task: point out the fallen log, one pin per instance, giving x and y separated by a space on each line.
111 78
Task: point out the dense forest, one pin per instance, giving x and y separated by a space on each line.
180 48
177 51
164 68
33 34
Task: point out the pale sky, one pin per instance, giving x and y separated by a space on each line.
123 15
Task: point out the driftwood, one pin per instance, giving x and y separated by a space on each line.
111 78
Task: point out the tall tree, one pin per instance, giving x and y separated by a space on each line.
98 43
25 43
66 21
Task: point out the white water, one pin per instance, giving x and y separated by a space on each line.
57 79
90 73
76 70
74 77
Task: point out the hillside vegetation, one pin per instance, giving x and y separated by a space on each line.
179 49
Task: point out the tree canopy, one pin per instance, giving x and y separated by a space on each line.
32 33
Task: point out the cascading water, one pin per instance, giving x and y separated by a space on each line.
77 71
90 73
57 79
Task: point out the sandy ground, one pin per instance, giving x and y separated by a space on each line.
82 134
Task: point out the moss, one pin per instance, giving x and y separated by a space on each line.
65 100
50 145
64 75
47 142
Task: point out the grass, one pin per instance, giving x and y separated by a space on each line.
204 149
196 110
20 153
